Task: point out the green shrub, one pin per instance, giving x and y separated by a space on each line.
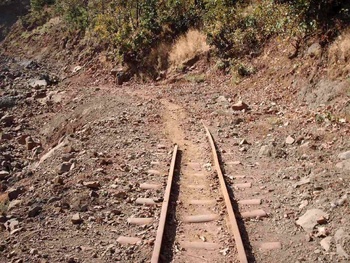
75 12
38 5
236 28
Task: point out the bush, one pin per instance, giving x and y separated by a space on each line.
75 12
237 28
38 5
322 15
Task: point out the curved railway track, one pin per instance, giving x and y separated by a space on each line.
202 215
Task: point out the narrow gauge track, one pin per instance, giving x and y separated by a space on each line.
199 193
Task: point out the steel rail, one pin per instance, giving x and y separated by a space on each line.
232 218
164 211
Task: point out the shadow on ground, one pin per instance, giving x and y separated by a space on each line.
167 254
10 11
241 225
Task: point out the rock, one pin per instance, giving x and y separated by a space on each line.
190 61
58 180
244 141
40 94
243 149
339 235
322 220
2 247
264 151
222 100
37 83
67 157
308 237
305 145
7 102
72 260
303 204
30 144
92 185
161 147
5 136
76 219
120 195
76 69
116 212
342 200
344 165
326 243
93 194
322 232
33 251
240 105
290 140
309 220
236 121
29 64
4 198
36 210
3 219
7 120
121 75
270 246
79 204
50 153
22 139
4 175
110 249
341 252
303 181
342 239
64 167
344 155
13 204
14 192
11 225
315 50
69 149
56 97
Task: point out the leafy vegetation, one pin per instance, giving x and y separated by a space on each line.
235 27
38 5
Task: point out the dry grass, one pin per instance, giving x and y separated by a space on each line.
187 47
339 56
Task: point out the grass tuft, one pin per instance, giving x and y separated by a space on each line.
339 56
192 44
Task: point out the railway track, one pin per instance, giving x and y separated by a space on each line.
198 223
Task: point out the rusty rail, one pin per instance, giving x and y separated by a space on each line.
232 218
164 211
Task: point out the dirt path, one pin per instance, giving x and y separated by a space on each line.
198 195
116 136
